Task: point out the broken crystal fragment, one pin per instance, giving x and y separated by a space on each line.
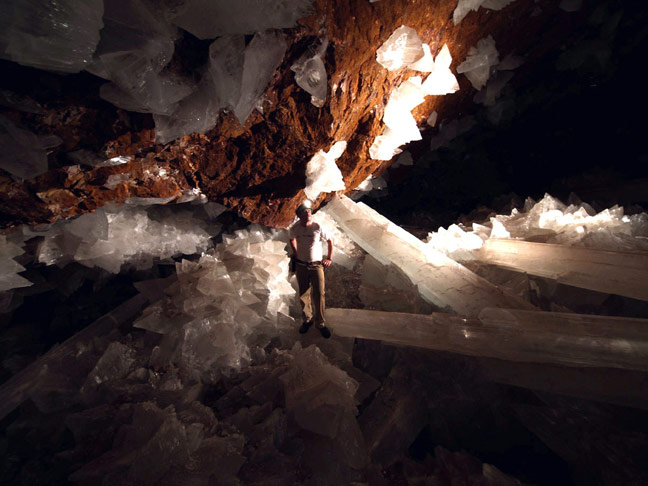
508 334
479 61
440 280
403 48
56 36
322 174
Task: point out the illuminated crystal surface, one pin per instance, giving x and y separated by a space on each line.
508 334
310 72
440 280
401 49
322 174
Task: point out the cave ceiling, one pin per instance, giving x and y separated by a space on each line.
258 169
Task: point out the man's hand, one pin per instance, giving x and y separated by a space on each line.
326 262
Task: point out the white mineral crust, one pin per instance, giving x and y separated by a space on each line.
509 334
322 174
441 281
403 48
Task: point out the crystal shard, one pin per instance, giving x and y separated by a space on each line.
441 281
322 174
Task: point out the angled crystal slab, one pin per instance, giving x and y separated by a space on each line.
611 272
440 280
527 336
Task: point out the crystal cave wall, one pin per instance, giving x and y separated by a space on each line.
254 165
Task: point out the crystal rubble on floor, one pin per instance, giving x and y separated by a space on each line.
207 20
310 72
322 174
136 45
229 301
113 236
481 58
57 37
513 335
22 153
465 6
441 281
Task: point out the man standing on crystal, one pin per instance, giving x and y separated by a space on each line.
306 238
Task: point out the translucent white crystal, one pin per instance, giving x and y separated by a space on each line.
441 81
262 58
322 174
403 48
432 119
610 272
56 36
513 335
108 238
310 72
495 85
22 153
226 56
346 252
426 63
441 281
207 19
479 61
9 268
136 44
465 6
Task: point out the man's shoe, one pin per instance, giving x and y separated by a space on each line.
305 327
324 331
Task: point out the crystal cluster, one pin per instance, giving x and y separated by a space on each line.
401 49
440 280
568 244
465 6
322 174
479 62
401 127
23 153
111 237
310 72
56 36
231 299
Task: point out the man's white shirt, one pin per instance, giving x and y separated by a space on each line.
309 241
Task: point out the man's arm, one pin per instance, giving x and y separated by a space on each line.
293 245
328 260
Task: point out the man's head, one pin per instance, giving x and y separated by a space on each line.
304 211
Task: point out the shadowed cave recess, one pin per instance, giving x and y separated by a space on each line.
479 165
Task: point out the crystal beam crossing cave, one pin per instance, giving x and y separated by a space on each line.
472 169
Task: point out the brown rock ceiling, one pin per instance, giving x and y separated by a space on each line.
259 170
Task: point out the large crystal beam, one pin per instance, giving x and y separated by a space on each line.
440 280
509 334
611 272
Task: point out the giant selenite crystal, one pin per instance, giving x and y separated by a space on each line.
479 61
57 35
322 174
310 72
404 47
441 281
621 273
509 334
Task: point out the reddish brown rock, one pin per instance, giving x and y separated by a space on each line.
259 170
